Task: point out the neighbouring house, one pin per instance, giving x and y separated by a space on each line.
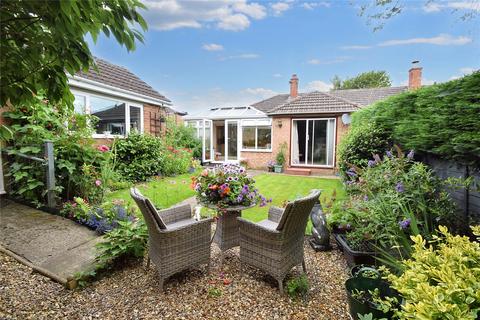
122 101
310 125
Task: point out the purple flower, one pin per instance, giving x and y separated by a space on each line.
410 154
371 163
365 198
399 187
404 224
351 172
389 154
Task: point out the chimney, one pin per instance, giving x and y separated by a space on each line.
415 76
294 86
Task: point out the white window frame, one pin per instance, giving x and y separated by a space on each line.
127 103
306 150
256 138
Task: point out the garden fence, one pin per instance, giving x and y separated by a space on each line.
47 161
468 198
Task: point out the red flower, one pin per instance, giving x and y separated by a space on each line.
103 148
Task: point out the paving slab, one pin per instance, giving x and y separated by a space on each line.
48 242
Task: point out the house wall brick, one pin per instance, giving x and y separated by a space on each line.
151 116
256 160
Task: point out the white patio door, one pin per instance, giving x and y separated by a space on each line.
231 140
207 141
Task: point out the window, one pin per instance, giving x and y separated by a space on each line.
135 119
115 117
313 142
80 103
110 114
256 138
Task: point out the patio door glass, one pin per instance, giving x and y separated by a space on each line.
231 137
313 142
207 140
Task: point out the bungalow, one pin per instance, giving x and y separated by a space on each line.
121 100
310 125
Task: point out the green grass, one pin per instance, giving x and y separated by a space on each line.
282 187
165 192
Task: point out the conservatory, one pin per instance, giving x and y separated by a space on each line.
233 134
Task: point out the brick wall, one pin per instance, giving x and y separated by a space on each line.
256 159
151 119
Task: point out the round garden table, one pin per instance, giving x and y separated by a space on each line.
227 233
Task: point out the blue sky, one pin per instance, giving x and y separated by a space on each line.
203 54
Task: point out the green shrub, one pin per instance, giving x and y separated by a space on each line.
139 156
281 157
298 287
78 164
440 119
363 140
388 199
183 137
129 238
441 280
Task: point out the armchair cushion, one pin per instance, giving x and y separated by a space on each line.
180 223
268 224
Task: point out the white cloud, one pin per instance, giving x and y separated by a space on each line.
280 7
241 56
253 10
212 47
356 47
259 92
463 72
277 75
317 85
329 61
454 5
223 14
219 97
313 5
440 40
236 22
467 70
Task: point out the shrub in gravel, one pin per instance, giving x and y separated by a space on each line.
298 287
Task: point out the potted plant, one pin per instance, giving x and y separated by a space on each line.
365 291
280 158
270 165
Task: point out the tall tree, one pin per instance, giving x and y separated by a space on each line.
378 12
43 40
370 79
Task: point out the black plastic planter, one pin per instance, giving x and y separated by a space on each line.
355 257
357 307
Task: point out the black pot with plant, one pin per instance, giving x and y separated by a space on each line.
363 292
355 257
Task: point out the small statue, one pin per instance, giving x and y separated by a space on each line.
320 240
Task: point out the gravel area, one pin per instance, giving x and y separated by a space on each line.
131 292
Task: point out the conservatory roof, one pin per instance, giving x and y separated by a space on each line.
228 113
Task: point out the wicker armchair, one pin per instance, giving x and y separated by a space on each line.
176 241
275 245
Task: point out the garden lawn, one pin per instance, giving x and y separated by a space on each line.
165 192
281 187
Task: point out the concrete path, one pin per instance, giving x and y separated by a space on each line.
52 245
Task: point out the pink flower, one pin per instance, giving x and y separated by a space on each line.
98 183
103 148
